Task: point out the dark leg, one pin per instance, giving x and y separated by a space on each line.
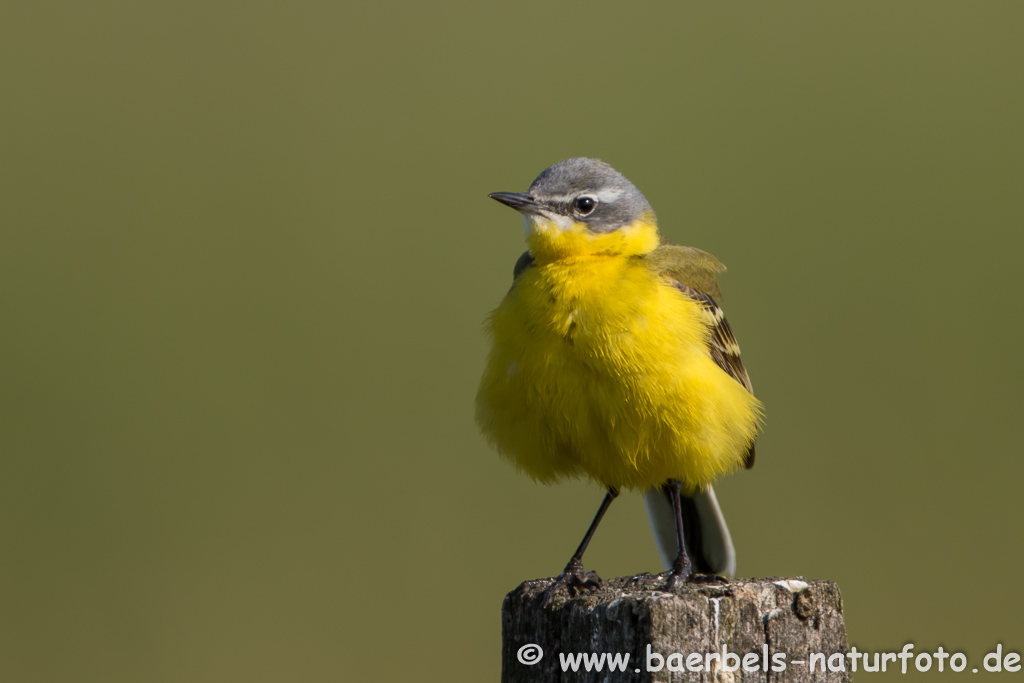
573 576
681 568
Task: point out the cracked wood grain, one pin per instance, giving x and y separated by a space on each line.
792 616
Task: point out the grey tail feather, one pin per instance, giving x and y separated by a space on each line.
706 536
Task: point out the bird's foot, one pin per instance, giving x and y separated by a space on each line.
672 579
679 574
575 579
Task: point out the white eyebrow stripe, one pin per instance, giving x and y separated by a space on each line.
607 196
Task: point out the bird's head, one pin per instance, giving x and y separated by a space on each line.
582 207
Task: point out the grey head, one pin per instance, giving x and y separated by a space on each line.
587 191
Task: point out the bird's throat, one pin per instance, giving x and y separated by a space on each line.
550 241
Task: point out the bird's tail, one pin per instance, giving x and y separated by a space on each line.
707 537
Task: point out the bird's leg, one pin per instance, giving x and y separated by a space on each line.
573 577
681 568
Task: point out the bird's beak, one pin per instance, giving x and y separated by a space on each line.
520 201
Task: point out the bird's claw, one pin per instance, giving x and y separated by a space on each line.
679 574
575 579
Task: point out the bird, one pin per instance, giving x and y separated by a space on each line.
611 359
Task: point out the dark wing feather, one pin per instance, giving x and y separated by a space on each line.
525 261
724 349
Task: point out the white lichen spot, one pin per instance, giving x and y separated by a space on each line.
793 585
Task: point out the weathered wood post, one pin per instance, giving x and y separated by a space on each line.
741 631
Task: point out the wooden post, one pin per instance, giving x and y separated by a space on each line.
798 622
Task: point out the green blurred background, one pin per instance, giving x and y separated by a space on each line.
247 251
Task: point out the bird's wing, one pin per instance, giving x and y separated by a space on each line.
723 348
525 261
694 273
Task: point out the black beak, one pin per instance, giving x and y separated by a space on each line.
520 201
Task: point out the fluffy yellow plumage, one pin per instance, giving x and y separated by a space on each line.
601 367
612 360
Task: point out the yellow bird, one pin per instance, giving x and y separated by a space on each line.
612 360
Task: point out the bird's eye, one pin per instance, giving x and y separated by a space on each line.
584 205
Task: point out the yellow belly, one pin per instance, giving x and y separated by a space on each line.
600 368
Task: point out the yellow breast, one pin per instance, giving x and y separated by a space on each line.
601 368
